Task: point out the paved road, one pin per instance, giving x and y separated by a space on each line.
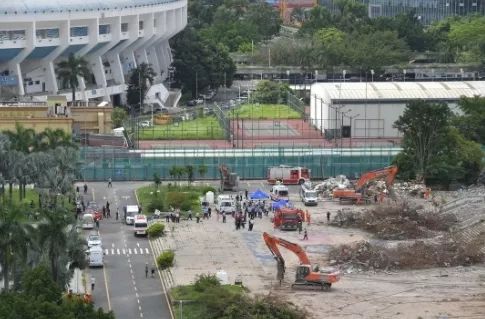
121 285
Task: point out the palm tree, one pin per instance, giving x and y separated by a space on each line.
22 139
70 70
53 239
15 234
50 139
140 77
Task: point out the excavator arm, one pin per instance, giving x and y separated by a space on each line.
272 242
389 173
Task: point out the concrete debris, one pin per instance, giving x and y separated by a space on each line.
447 252
328 185
410 188
397 221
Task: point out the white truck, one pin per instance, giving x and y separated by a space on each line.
225 204
141 225
309 197
279 192
130 212
95 256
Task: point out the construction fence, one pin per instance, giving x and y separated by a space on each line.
99 164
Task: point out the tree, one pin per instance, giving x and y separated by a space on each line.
70 70
38 284
471 122
15 234
269 92
118 116
139 80
53 238
202 169
200 62
424 126
189 170
157 180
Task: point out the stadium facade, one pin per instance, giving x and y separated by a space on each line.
114 36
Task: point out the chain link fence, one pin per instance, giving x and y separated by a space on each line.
99 164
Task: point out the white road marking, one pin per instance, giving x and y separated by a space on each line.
124 251
141 314
113 245
138 244
139 308
112 251
135 251
118 251
136 294
131 270
106 251
146 249
129 251
136 289
134 283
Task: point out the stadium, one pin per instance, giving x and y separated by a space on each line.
114 36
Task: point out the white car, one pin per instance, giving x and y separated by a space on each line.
145 124
94 240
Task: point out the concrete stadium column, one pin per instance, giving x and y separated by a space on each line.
99 75
114 56
93 35
116 69
14 65
148 34
48 61
151 51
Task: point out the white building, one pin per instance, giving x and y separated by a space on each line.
369 110
112 35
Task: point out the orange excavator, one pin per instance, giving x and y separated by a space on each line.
357 194
306 276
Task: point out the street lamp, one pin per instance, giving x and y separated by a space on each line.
404 71
344 72
372 74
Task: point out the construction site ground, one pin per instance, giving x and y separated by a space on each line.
211 246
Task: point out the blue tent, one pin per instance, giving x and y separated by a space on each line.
258 195
280 203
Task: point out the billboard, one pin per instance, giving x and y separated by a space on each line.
6 80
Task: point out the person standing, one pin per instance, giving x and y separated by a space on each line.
305 235
197 217
117 214
209 211
328 217
85 188
246 193
93 281
190 214
153 270
251 224
110 182
146 270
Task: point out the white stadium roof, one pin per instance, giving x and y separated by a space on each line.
31 6
397 90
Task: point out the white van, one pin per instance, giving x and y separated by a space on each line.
88 221
130 212
95 256
308 196
141 225
225 204
279 192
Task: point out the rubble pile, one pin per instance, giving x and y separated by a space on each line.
410 188
397 221
328 185
447 252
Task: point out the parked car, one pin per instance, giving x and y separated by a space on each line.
94 240
145 124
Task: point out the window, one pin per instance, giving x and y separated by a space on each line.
12 35
104 29
124 27
79 31
140 25
47 34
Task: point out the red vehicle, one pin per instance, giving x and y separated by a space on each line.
288 175
287 218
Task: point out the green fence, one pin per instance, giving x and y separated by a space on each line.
98 164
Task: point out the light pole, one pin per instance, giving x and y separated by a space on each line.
372 75
404 71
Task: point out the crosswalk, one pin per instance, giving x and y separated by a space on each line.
126 251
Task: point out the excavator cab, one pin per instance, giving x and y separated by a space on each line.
302 271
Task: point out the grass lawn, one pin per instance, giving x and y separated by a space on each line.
203 128
30 195
185 197
264 112
191 310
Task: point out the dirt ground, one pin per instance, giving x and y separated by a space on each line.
212 246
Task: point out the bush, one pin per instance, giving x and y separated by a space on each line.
184 200
156 203
165 260
205 281
155 230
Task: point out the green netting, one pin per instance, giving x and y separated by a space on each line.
98 164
